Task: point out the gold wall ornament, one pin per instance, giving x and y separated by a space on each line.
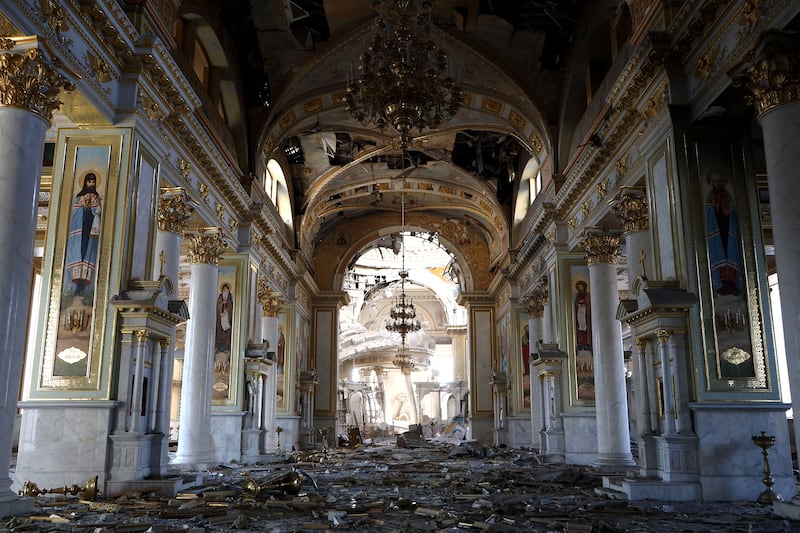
586 207
601 248
203 188
622 165
100 68
749 13
150 107
205 245
632 210
55 15
175 208
29 82
706 62
220 209
602 189
184 168
774 76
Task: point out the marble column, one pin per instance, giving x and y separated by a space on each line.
271 304
613 435
194 434
28 95
174 211
630 206
773 77
536 308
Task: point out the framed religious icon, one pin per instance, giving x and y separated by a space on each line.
524 344
283 360
229 323
85 235
577 294
733 313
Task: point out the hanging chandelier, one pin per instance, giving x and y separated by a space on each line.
403 315
402 80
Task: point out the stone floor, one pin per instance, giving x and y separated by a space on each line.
437 488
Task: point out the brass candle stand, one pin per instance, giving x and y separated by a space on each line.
768 496
288 482
88 490
279 430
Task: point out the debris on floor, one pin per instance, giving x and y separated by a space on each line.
436 487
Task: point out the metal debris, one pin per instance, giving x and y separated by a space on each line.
437 487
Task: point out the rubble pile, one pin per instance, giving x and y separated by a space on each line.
382 487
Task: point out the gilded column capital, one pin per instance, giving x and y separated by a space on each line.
271 302
641 344
29 81
205 245
175 208
271 306
538 298
165 343
141 335
773 73
663 335
601 248
632 210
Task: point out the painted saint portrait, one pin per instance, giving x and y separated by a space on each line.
223 336
80 271
582 327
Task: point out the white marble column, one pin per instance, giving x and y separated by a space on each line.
194 434
773 79
174 211
613 435
23 123
270 303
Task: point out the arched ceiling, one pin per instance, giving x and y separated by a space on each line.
507 56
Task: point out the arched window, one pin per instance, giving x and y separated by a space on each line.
530 185
278 191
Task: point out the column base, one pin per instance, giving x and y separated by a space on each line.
614 462
193 462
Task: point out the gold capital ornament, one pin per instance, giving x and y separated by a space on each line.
632 210
538 298
175 208
28 81
205 246
601 248
271 302
773 77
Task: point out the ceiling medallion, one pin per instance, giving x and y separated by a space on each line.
402 80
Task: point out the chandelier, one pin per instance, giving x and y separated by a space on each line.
403 315
403 81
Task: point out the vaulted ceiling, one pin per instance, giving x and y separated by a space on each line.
508 57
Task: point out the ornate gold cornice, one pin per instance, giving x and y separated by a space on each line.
601 248
632 210
773 72
29 82
175 208
205 246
